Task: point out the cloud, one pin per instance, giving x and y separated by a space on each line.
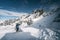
5 14
11 13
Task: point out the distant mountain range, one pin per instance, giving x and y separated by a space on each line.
5 14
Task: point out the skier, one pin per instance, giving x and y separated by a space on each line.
17 27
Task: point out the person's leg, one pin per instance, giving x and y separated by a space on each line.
17 29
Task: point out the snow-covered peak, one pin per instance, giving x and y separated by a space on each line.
39 26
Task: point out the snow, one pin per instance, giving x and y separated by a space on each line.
34 32
18 36
1 21
42 28
27 33
43 21
6 29
38 18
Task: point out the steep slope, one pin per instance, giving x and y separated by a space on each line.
41 27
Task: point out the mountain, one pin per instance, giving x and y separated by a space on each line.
39 25
6 15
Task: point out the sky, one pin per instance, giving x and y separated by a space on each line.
26 5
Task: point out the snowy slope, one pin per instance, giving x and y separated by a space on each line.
18 36
40 28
